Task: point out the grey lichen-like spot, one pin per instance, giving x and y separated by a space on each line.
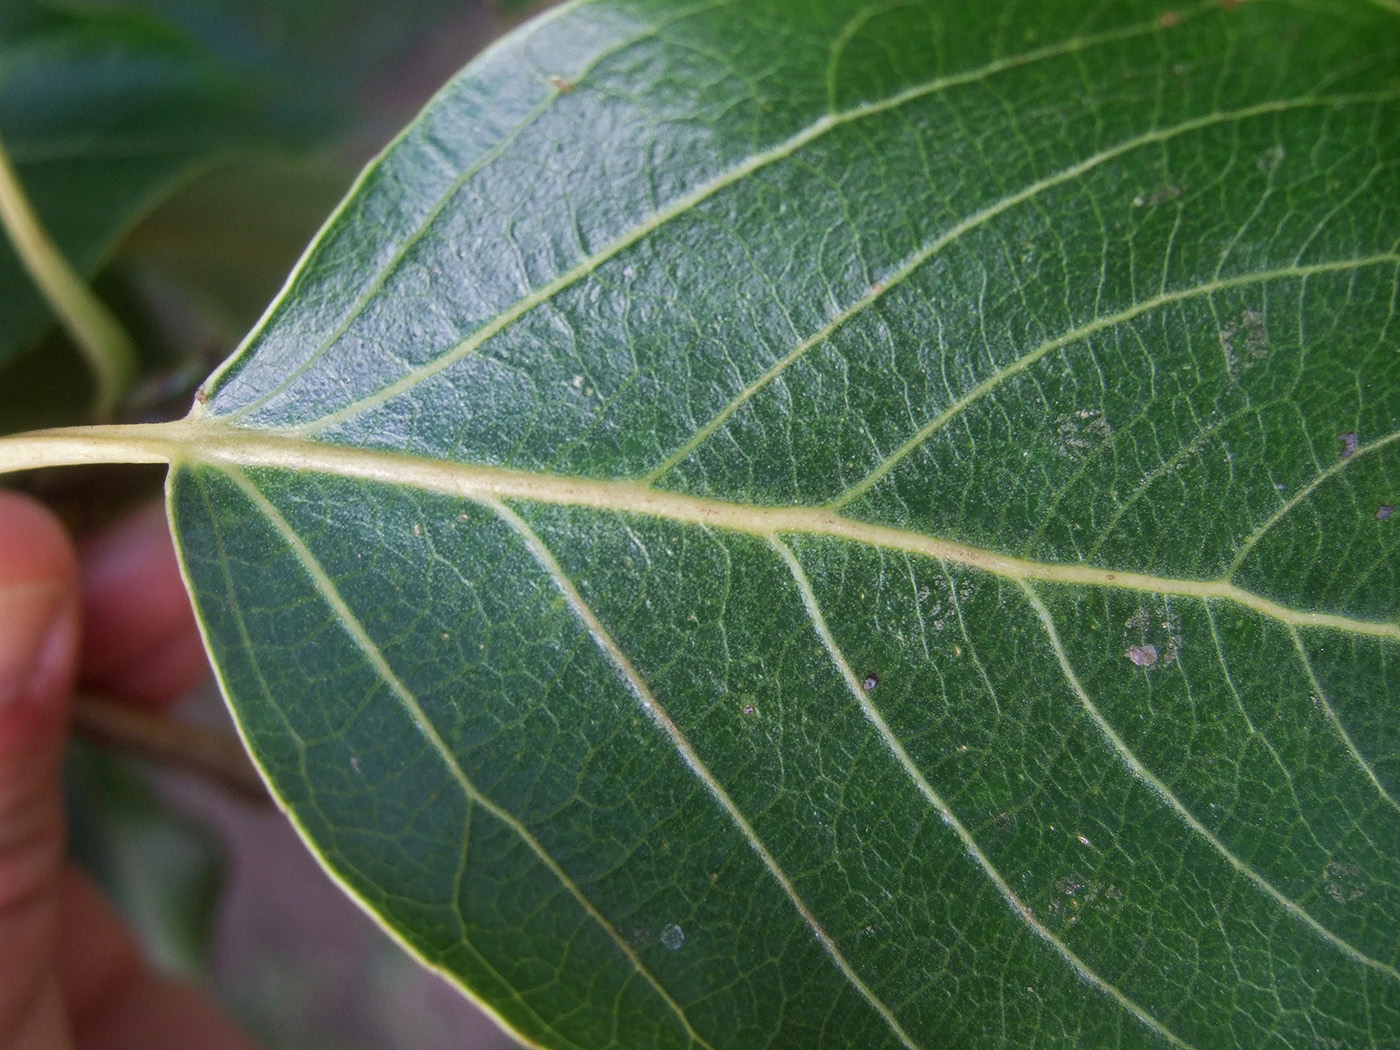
1143 655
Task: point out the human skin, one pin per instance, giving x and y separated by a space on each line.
115 618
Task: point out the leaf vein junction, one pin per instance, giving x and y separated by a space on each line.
1086 330
1168 796
658 714
1332 717
326 587
1303 494
950 819
915 261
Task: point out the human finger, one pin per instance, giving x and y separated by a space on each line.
140 639
116 1000
38 642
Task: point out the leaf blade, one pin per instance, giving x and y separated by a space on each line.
1050 362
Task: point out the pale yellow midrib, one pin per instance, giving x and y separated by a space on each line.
192 442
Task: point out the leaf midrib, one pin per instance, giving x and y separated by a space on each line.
195 440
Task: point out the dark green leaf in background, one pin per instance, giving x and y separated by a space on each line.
849 524
104 110
163 871
109 105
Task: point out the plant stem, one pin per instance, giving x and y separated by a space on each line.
106 346
75 446
211 753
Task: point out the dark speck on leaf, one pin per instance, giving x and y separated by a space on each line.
871 681
1384 512
1349 443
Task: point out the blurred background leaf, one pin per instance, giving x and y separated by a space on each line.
105 109
182 152
162 869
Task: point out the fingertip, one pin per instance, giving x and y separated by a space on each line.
38 640
166 672
140 639
116 1000
38 625
34 545
95 953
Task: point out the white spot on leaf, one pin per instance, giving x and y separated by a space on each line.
1271 158
1080 432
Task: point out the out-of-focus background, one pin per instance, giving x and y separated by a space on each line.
182 153
224 892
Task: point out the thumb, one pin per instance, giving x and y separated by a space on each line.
38 642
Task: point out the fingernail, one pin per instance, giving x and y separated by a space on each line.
35 637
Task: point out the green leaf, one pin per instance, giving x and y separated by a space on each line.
110 105
104 111
163 870
848 524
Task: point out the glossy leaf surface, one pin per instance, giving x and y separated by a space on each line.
845 524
